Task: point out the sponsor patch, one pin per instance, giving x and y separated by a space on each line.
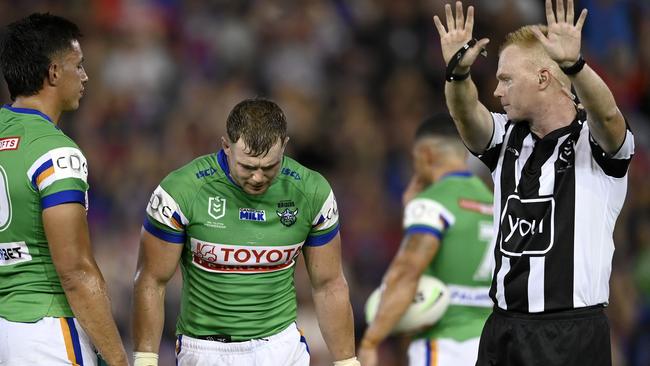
471 205
9 143
226 258
12 253
249 214
527 226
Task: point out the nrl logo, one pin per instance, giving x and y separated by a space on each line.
287 217
216 207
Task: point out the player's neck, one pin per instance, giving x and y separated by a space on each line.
552 116
39 103
450 167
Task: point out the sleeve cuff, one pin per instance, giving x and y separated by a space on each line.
63 197
177 238
316 241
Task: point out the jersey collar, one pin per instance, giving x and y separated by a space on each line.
222 159
457 174
28 111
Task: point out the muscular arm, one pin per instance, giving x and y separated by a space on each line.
331 297
606 123
66 229
400 285
157 263
472 118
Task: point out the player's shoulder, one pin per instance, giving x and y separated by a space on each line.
195 173
301 176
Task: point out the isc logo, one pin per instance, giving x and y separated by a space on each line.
527 226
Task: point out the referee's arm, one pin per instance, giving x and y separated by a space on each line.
606 123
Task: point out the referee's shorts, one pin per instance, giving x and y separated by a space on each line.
576 337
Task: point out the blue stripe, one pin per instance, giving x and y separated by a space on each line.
460 173
75 341
304 340
222 159
178 238
62 197
316 241
177 217
427 357
46 165
420 229
28 111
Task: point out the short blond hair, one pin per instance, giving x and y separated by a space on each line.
525 38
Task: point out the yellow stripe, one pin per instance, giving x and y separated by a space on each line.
176 224
44 175
434 353
67 338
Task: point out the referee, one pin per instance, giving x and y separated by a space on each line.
560 176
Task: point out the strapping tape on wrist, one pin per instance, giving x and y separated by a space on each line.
455 59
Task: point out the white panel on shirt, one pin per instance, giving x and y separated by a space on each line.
329 213
67 162
427 212
162 206
500 121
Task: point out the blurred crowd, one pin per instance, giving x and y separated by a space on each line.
355 78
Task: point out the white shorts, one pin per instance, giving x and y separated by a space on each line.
443 352
49 341
287 348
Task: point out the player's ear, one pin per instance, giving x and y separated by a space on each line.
543 78
53 74
285 142
225 145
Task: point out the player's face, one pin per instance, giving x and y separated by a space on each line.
254 174
518 86
73 77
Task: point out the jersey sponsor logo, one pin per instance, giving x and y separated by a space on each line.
249 214
427 212
527 226
288 217
328 215
290 173
471 205
9 143
470 296
206 173
165 210
12 253
226 258
57 164
216 207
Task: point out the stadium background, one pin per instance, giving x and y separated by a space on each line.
354 77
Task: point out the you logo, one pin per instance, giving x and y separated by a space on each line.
527 226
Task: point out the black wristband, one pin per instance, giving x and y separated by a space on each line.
455 59
575 68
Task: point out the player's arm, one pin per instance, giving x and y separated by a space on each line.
66 229
606 123
472 118
399 287
157 263
331 297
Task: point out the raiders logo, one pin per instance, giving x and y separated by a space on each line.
288 217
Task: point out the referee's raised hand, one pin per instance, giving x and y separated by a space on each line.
562 43
458 33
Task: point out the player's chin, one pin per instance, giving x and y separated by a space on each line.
255 190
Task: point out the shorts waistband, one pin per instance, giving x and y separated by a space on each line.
197 344
577 313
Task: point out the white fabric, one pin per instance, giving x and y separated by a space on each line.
443 352
282 349
40 343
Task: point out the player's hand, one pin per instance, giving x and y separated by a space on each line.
414 188
459 31
563 40
367 356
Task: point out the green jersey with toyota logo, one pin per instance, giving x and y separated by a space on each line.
40 167
457 210
239 250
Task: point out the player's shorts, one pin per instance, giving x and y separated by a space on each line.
287 348
566 338
443 352
49 341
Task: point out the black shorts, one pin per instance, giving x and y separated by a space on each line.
569 338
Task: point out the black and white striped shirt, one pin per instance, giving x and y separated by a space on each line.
556 202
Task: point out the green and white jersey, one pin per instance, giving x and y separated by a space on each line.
458 211
40 167
239 249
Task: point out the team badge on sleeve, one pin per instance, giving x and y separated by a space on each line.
57 164
163 208
328 215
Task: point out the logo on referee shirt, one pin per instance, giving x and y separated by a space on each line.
527 226
216 207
